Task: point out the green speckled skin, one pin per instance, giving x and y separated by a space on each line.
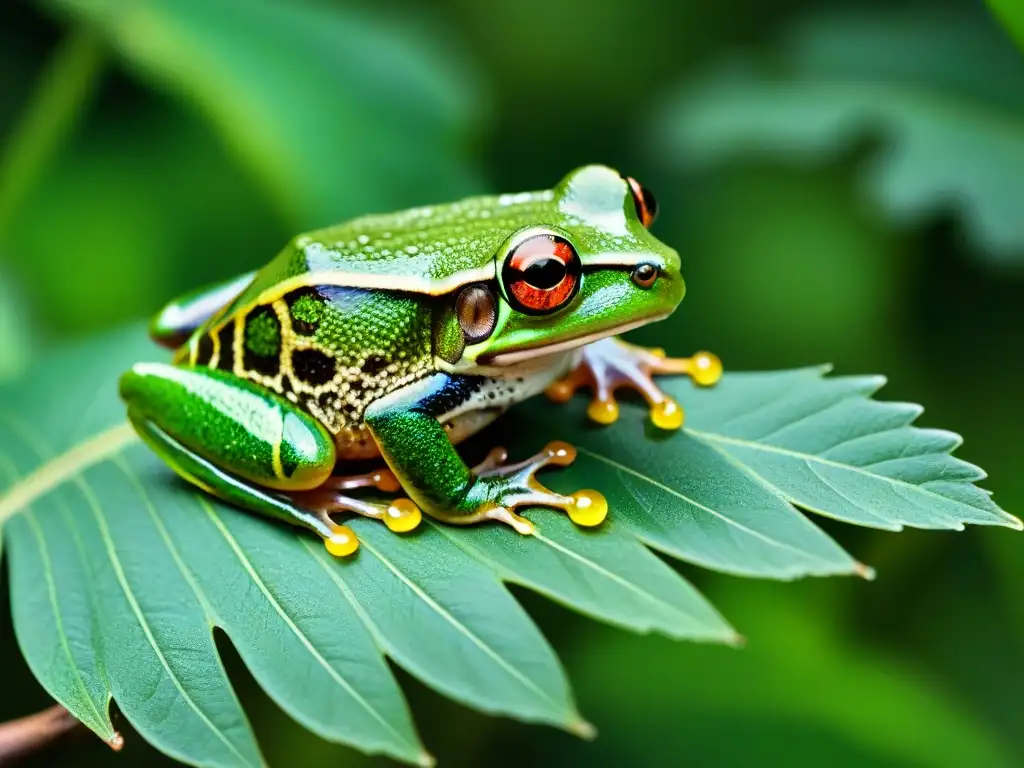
269 443
329 349
353 329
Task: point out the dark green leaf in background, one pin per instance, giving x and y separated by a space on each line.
120 571
943 92
800 691
14 330
334 111
265 119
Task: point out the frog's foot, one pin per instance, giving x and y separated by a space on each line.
501 488
399 515
381 479
610 364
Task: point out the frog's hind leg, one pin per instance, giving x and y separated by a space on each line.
339 539
382 479
176 322
610 364
253 448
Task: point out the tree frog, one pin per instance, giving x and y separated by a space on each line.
391 338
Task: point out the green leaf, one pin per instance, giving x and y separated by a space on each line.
944 92
120 572
1011 13
335 111
14 331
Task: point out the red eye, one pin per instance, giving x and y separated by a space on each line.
645 202
542 274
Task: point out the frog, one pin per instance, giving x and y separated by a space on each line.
351 366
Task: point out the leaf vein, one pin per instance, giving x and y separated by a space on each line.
279 609
460 627
1011 520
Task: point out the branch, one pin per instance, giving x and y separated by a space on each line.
20 738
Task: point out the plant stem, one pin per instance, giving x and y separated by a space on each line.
20 738
61 93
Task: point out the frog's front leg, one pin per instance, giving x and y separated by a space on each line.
406 426
253 449
611 364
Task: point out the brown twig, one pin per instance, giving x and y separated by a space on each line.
19 738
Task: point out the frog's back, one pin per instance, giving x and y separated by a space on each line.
429 250
330 349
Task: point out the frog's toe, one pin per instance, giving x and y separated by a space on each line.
705 368
399 515
342 541
609 365
510 486
381 479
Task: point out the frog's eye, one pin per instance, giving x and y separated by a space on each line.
477 312
645 202
542 274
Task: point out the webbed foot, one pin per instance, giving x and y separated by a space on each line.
501 488
610 364
399 515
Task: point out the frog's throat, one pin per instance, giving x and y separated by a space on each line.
504 359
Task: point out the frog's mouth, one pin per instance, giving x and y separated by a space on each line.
503 359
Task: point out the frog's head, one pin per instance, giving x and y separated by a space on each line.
584 267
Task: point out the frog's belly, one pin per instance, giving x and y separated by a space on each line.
478 410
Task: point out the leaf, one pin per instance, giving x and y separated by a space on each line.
1011 14
336 112
120 571
799 680
719 494
14 331
943 92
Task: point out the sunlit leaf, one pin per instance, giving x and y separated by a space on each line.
1011 13
944 93
120 571
336 111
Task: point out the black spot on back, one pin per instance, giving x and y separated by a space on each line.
205 351
262 347
313 367
374 364
226 337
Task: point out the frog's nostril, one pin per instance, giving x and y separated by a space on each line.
645 275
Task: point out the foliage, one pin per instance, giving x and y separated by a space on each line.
395 118
943 92
797 681
149 147
14 335
119 572
1012 15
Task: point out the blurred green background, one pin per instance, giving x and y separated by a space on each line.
848 192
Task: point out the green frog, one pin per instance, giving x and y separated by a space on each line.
383 342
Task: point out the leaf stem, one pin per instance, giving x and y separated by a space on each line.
20 738
60 95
